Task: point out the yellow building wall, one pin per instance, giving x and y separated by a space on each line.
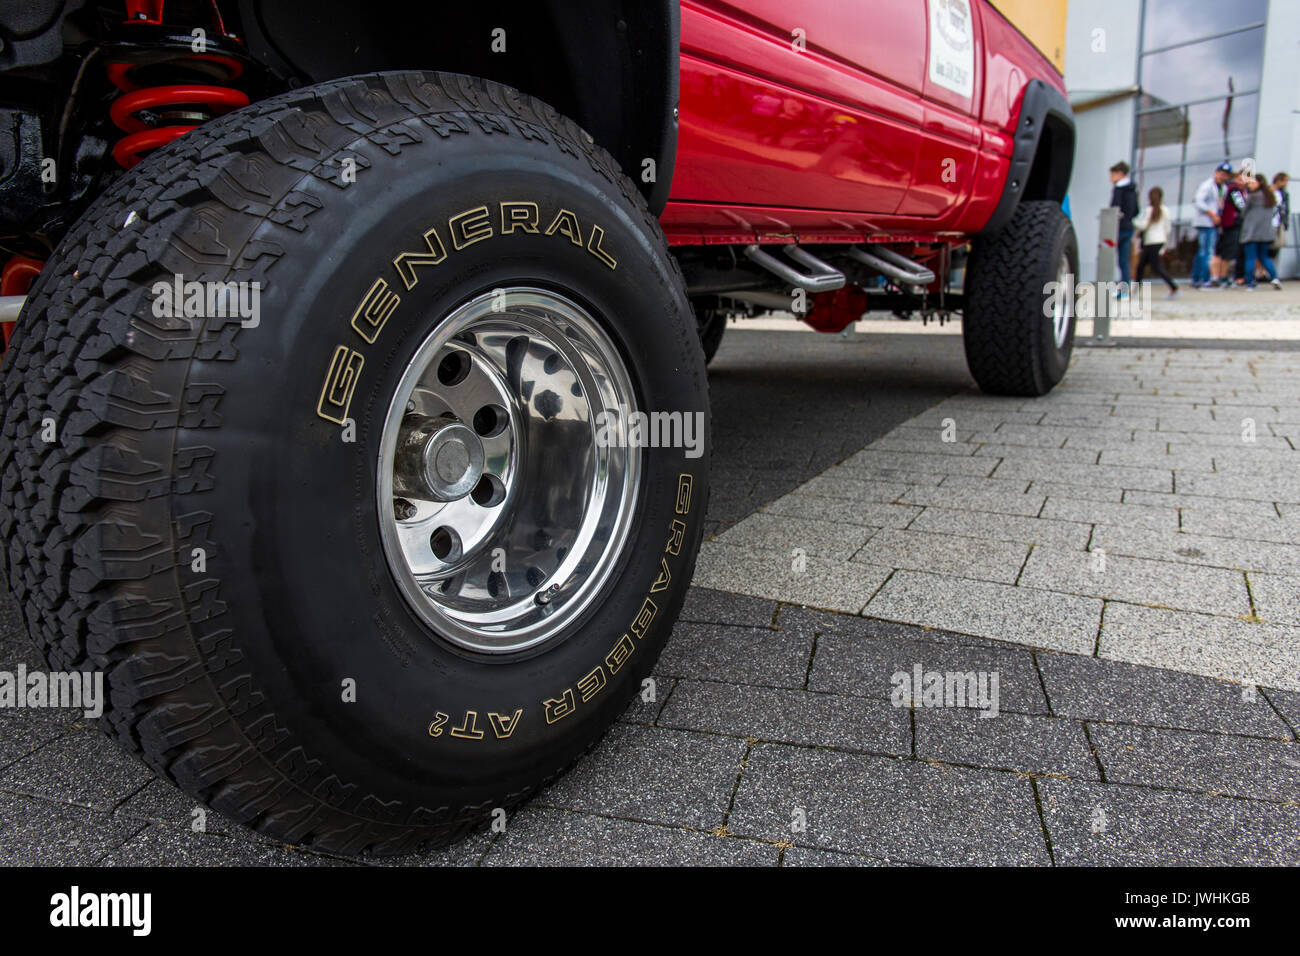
1043 21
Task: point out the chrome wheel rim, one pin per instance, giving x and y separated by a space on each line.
1063 306
506 486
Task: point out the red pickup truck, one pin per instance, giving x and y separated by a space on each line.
355 416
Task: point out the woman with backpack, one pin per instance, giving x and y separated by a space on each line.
1153 226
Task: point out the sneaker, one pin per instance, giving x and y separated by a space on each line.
1276 284
1249 287
1172 295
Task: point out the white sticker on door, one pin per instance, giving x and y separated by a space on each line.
952 46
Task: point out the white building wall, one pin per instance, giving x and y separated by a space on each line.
1277 143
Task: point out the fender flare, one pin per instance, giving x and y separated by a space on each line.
1043 108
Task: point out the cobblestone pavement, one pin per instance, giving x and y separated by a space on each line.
851 545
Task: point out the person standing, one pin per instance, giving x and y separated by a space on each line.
1208 202
1280 183
1229 249
1123 196
1153 227
1257 230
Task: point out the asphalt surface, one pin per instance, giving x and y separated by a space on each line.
772 738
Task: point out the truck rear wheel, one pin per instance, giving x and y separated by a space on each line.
383 552
1018 335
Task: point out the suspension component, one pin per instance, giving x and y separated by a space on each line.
15 279
169 83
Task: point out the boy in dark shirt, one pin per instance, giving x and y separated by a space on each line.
1123 196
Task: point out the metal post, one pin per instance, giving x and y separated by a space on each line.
1107 243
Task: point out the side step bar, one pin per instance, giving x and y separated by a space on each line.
824 278
889 263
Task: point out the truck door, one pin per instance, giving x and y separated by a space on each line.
813 105
948 149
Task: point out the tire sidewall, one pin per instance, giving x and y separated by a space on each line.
318 606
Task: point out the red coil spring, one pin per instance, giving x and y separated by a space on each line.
157 101
16 278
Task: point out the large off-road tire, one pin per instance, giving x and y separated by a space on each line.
243 522
1014 346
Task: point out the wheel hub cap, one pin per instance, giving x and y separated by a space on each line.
503 504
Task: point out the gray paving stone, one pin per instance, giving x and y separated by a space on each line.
1138 580
930 432
864 666
641 710
838 483
544 837
83 767
966 415
1145 827
1029 436
1093 436
970 524
1069 457
184 848
1249 458
1078 473
1236 525
872 462
1087 415
881 475
1023 615
815 580
892 809
1257 487
738 654
653 775
1200 502
769 532
946 554
1022 742
706 606
971 499
35 832
1018 486
1266 436
806 856
1288 704
1207 763
1277 597
1091 689
1092 512
925 443
26 731
1264 654
790 716
1196 549
871 515
812 620
468 851
161 802
1109 493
